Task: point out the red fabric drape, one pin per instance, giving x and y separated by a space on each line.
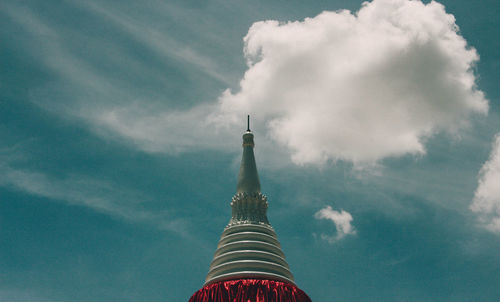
250 290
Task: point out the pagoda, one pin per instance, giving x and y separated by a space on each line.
249 264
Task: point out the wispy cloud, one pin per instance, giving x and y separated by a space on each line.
486 201
54 54
79 190
108 104
16 295
342 221
165 131
158 41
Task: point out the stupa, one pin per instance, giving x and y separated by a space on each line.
249 264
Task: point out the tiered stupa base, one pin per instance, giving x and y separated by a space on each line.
250 290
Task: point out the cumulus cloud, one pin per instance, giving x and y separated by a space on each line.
342 221
358 86
487 196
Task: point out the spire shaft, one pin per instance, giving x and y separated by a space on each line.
248 178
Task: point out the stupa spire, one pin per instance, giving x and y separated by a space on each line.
249 247
248 178
249 264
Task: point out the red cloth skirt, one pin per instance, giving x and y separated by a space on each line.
250 290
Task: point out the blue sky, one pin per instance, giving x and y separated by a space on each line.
375 130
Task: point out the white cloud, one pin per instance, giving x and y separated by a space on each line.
342 221
487 196
108 105
358 87
100 196
347 86
157 40
162 131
